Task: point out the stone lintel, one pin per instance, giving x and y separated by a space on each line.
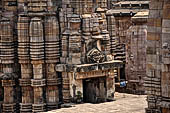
89 67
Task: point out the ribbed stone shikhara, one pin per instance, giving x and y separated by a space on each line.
25 63
9 65
135 69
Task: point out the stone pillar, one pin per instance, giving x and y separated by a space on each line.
76 87
26 89
110 84
52 92
38 83
66 87
9 104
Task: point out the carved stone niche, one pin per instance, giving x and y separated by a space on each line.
166 52
95 56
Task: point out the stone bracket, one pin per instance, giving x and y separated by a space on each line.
8 83
38 82
26 107
38 107
25 82
52 82
51 106
9 108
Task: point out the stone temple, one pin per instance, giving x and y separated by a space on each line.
54 52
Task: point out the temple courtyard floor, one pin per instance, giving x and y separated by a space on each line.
124 103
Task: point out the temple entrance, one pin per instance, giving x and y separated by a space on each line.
94 90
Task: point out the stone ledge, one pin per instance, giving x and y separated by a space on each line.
88 67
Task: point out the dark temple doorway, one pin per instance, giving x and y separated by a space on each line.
94 90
